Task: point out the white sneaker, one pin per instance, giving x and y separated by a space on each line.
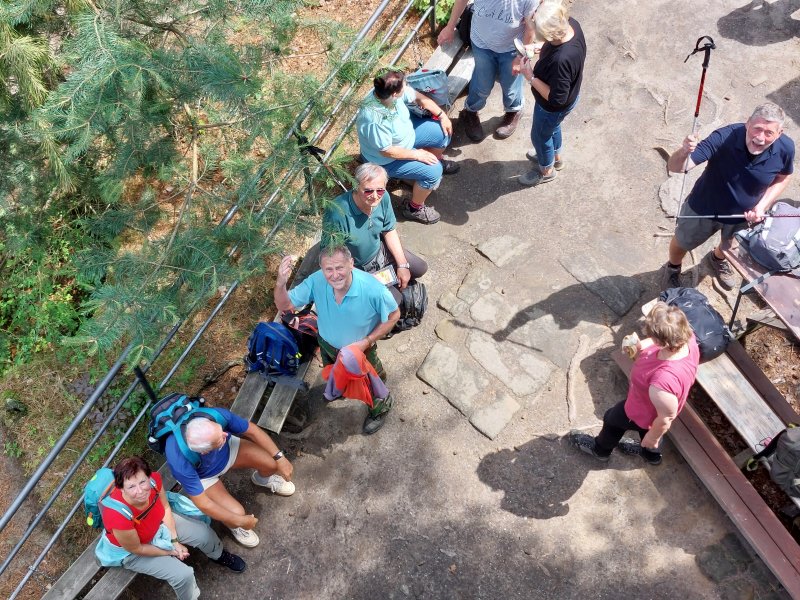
246 537
275 483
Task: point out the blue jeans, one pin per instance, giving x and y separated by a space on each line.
546 133
429 134
490 67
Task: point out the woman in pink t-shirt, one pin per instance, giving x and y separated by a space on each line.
664 371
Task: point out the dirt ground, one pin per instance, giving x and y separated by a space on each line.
429 507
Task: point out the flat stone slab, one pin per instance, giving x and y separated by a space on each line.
459 380
618 292
452 304
492 419
451 332
493 308
503 249
476 283
519 369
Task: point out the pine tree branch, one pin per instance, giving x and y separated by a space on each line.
168 27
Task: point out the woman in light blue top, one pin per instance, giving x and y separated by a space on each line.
407 146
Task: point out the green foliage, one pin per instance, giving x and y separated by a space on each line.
443 9
127 130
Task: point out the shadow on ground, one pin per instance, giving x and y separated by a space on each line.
760 23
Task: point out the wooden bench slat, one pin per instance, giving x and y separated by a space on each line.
459 77
250 394
280 401
76 577
442 57
111 585
739 401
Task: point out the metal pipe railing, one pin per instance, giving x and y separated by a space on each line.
62 441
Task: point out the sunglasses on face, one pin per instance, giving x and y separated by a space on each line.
379 191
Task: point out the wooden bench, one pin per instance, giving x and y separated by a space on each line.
718 471
457 64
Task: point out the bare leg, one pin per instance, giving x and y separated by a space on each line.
253 456
220 495
676 253
419 194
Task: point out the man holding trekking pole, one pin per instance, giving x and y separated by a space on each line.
749 167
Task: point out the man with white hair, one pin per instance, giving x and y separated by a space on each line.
749 166
238 444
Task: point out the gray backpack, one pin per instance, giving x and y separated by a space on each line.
783 456
775 242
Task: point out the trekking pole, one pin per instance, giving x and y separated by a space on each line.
734 216
706 48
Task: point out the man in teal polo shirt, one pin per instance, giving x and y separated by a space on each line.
352 308
363 219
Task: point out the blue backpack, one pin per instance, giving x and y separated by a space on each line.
170 415
272 351
97 491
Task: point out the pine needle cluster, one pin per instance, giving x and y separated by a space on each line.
127 131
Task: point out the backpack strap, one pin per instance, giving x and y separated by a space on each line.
177 430
769 450
117 506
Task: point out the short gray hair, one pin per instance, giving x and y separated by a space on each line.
199 434
369 171
332 251
770 112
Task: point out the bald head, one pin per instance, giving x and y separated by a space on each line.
203 435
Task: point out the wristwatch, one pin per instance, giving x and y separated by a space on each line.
278 456
404 266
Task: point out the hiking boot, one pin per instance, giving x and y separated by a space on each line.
246 537
508 125
535 177
670 277
424 214
472 125
531 156
450 167
585 443
722 271
274 483
377 415
633 448
233 562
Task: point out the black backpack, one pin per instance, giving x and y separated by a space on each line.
783 456
708 325
412 307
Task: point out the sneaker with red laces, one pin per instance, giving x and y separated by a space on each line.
424 214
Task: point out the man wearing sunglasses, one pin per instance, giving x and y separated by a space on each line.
364 220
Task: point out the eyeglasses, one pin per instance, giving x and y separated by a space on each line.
379 191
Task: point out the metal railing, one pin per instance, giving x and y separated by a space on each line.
104 384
